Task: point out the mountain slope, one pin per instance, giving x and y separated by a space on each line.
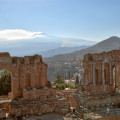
66 63
60 50
105 45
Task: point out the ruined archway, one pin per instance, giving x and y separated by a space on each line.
5 82
7 68
23 75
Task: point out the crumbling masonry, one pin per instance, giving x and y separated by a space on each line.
102 72
28 76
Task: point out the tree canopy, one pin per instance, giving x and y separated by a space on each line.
5 82
59 79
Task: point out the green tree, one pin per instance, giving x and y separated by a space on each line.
60 85
59 79
5 82
77 80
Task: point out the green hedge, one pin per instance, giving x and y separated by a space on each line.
63 86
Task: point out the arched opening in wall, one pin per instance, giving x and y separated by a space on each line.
96 75
5 82
27 80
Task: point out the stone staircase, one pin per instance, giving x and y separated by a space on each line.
78 114
113 112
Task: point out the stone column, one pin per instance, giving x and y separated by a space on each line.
93 69
116 79
110 73
116 76
103 79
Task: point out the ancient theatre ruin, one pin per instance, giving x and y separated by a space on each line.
102 72
28 76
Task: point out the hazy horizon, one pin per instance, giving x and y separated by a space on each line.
32 26
93 20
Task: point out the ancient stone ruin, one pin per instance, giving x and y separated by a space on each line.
28 76
32 93
102 72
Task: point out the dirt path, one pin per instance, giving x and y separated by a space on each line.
44 117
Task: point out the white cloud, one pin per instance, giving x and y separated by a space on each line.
18 34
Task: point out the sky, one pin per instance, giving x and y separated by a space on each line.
94 20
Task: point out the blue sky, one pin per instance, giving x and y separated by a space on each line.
87 19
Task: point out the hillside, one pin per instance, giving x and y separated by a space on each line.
65 63
106 45
61 50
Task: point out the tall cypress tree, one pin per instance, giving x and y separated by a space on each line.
77 80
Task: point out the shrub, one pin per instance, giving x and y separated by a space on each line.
60 86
